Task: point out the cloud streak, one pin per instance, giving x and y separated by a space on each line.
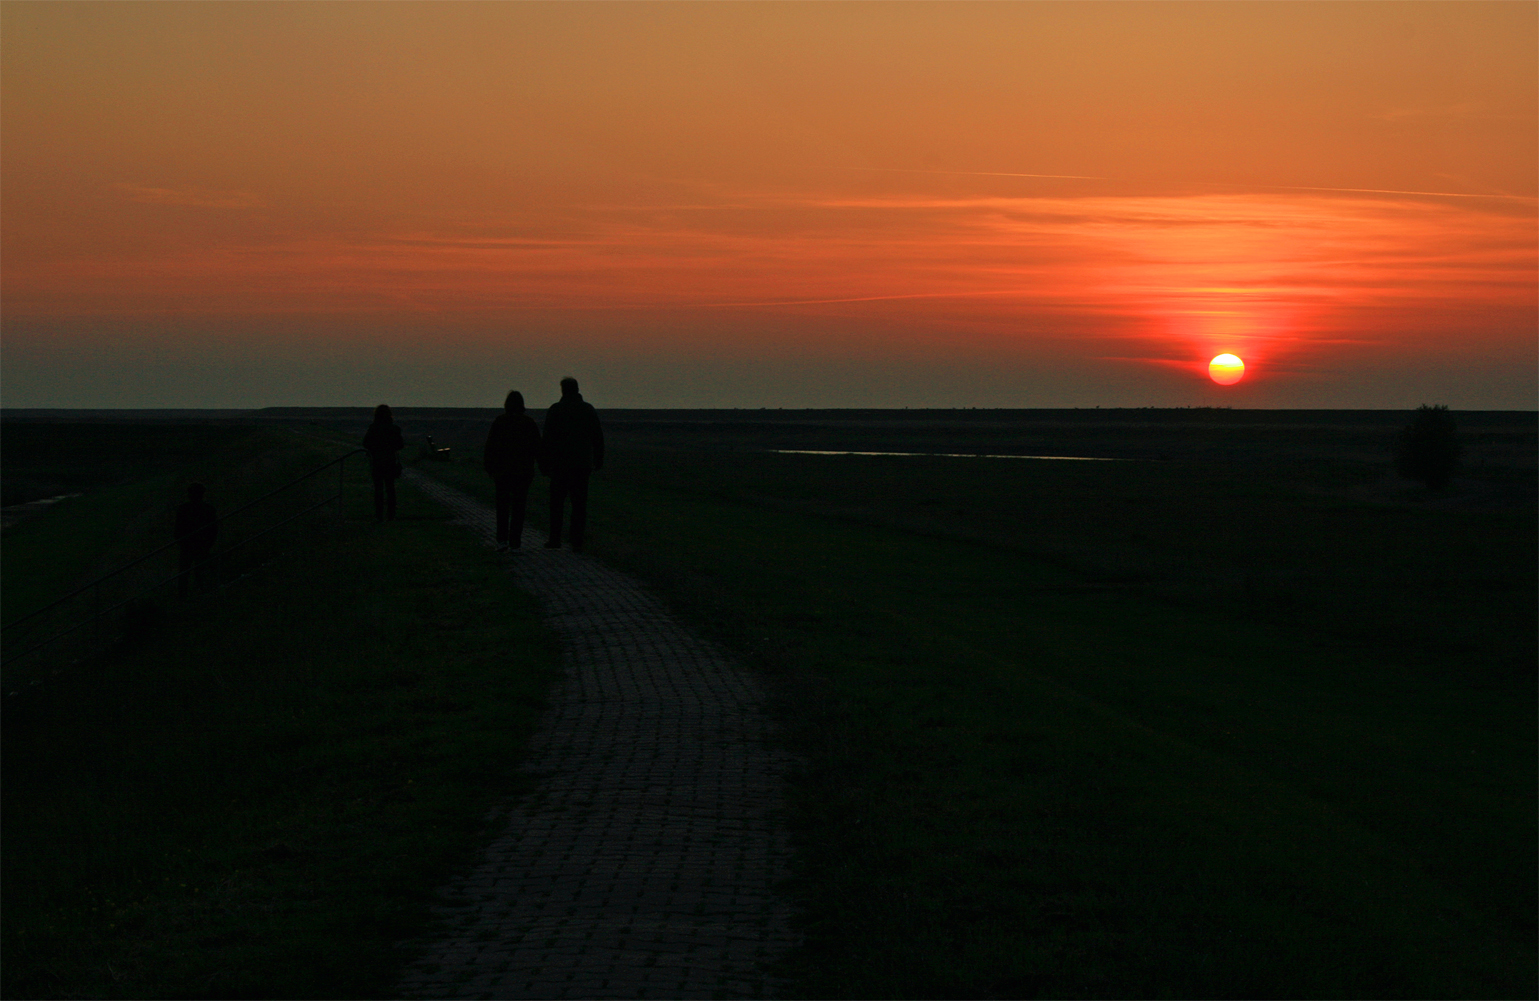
196 197
1250 187
1271 276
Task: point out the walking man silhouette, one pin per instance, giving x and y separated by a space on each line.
573 449
382 441
512 448
197 526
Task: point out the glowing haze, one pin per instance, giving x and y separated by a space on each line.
1018 205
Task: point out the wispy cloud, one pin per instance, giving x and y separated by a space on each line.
1224 185
1264 273
1463 109
979 173
199 197
1397 191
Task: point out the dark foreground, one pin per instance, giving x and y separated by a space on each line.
1246 716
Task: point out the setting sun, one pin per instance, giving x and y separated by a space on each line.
735 205
1226 370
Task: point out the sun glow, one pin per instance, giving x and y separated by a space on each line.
721 196
1226 370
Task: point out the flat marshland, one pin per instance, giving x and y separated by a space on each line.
1242 714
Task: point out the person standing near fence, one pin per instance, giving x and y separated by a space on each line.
573 449
512 448
197 526
383 441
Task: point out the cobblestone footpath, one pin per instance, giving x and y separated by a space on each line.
645 864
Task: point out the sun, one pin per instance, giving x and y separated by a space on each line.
1226 370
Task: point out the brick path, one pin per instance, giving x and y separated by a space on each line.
645 864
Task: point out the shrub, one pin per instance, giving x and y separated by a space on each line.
1429 447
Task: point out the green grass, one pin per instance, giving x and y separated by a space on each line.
45 458
1328 547
1164 729
54 551
1047 757
260 800
118 519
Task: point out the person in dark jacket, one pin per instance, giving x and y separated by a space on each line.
197 526
512 449
573 448
382 441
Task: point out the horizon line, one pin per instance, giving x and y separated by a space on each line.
747 409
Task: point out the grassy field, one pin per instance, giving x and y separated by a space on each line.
260 799
126 508
1248 717
1169 728
111 524
44 458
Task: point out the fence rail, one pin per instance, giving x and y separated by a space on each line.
93 616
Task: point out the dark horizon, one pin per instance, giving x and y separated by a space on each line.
366 409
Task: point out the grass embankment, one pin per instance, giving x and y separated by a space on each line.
132 478
259 800
1033 771
44 458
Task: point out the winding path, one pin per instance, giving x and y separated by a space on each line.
646 862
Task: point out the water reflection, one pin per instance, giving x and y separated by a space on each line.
950 455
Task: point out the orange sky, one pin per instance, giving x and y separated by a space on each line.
769 205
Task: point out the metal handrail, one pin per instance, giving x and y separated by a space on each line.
220 520
135 597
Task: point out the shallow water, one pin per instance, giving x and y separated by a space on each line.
16 512
951 455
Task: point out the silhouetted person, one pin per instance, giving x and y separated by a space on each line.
573 448
512 449
197 526
383 441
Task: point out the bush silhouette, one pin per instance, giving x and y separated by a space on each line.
1429 447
